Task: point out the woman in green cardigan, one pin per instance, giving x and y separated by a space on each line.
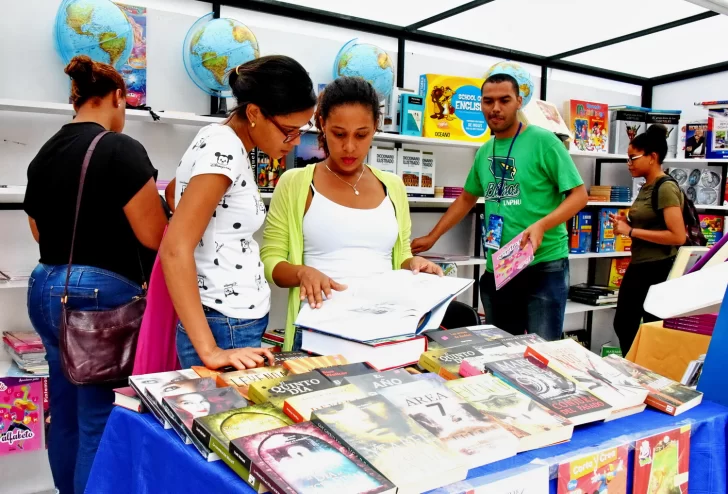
339 221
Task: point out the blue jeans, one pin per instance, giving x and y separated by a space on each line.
533 302
228 332
79 413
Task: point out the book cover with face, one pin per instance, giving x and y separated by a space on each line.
303 459
189 406
179 386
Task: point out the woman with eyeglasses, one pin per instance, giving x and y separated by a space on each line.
656 235
211 262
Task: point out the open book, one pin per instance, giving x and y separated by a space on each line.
397 303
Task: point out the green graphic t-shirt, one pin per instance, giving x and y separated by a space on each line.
535 179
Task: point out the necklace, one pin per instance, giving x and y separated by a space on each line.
347 183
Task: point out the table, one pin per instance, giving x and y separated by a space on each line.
666 351
137 455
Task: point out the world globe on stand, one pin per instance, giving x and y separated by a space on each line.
367 61
215 47
521 75
96 28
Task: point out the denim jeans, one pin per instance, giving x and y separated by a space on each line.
79 413
534 301
228 332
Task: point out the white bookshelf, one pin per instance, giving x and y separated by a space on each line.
18 284
578 308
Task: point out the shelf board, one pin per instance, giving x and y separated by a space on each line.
610 204
577 308
14 284
596 255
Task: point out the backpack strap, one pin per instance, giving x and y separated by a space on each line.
656 193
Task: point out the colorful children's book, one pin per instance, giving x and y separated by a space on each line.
712 227
605 230
581 233
661 463
477 437
588 122
409 455
302 458
511 260
21 414
599 472
534 425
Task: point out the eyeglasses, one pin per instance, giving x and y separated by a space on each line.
630 159
291 135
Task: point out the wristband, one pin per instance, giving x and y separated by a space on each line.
630 232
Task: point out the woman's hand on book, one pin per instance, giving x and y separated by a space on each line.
421 265
240 358
314 283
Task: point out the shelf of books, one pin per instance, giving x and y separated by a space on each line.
578 308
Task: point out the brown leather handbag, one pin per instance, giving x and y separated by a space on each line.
98 347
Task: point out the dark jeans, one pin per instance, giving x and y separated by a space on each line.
79 413
534 301
228 332
632 294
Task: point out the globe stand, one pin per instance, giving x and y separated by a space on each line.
218 107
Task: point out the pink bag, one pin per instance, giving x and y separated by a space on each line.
156 348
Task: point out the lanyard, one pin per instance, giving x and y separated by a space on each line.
502 184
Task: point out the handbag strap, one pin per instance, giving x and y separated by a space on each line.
82 179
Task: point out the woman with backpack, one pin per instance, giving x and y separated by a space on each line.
656 227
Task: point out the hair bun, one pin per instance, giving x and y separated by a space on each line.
657 130
81 69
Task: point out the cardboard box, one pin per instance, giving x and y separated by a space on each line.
452 108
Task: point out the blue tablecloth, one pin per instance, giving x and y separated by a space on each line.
137 455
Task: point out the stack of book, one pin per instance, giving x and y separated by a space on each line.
452 192
27 351
593 294
701 324
610 193
385 316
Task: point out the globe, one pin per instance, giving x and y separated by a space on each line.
96 28
215 47
367 61
521 75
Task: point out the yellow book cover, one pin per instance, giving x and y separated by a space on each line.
299 408
623 243
299 366
445 362
616 273
241 379
452 108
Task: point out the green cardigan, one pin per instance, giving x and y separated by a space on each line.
283 233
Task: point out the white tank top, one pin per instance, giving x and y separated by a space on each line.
348 244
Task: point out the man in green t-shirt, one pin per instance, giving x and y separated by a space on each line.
531 182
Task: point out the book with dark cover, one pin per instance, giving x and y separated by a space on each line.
372 384
182 410
521 340
301 458
217 431
338 373
474 366
446 361
142 382
241 379
301 366
477 437
277 390
590 373
550 389
490 333
533 424
388 440
450 338
127 398
665 394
